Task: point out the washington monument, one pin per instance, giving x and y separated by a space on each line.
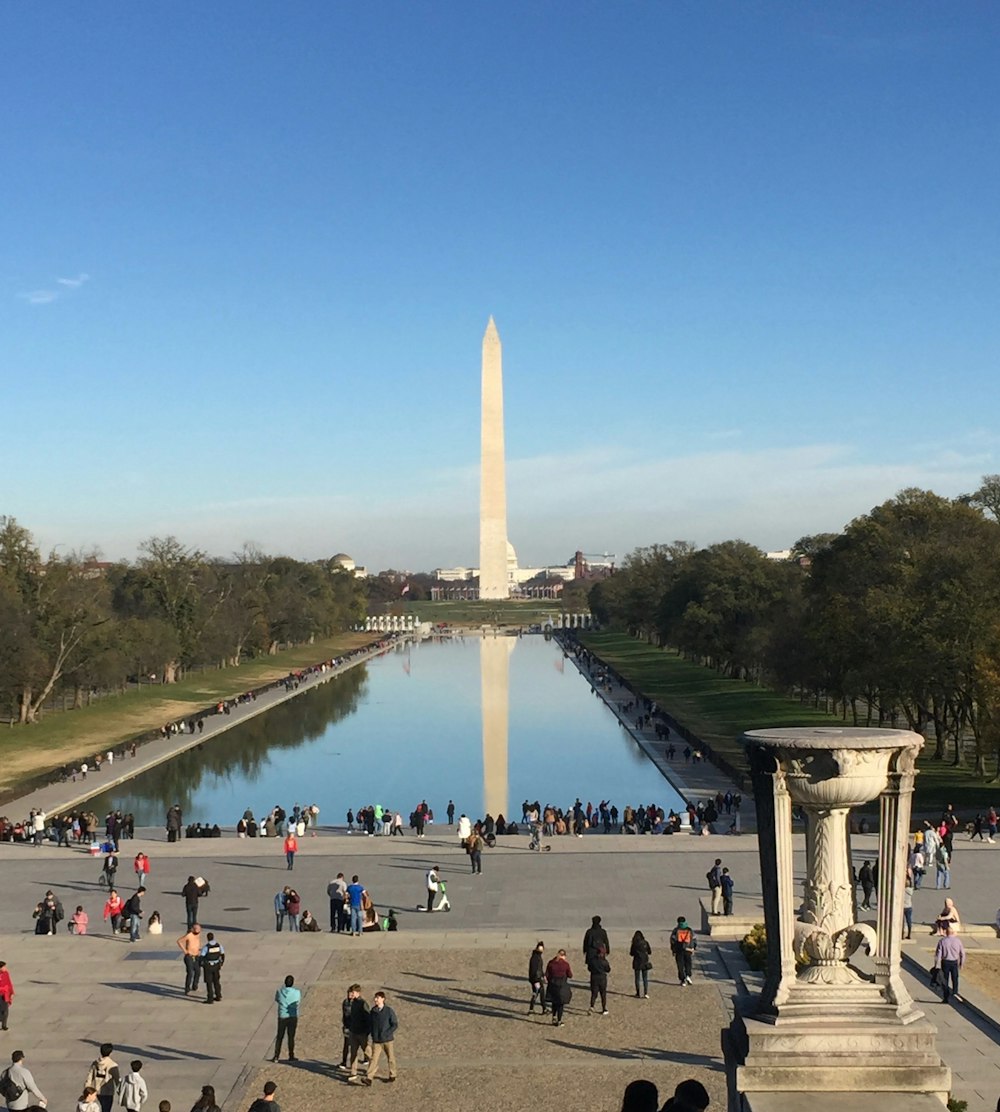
492 482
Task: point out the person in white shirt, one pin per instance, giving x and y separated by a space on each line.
133 1089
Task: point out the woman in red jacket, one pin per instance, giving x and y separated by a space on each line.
6 995
113 910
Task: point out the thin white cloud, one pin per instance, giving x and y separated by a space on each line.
47 296
74 283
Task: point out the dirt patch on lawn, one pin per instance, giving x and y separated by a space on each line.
466 1039
983 971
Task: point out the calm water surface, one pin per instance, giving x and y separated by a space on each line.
483 722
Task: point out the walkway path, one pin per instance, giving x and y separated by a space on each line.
693 780
63 796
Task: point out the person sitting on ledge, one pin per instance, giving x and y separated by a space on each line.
308 922
948 915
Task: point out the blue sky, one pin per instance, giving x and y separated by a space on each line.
744 259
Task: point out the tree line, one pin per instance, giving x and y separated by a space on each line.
72 623
896 620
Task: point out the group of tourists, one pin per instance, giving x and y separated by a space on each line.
72 828
279 823
105 1085
549 982
376 819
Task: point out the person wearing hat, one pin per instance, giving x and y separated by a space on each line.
683 945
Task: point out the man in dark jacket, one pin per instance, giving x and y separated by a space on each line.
191 893
384 1026
359 1028
536 977
867 881
133 910
596 936
683 945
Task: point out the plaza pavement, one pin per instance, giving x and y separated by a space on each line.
456 980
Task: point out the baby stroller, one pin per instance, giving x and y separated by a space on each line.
535 842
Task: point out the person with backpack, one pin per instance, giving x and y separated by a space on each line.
683 945
213 957
714 878
104 1077
133 1089
17 1084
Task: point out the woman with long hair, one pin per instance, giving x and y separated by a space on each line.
293 905
640 952
206 1102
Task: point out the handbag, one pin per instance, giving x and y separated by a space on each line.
935 976
647 966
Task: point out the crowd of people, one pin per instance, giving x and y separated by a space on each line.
106 1084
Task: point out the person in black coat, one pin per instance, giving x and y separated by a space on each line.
536 977
867 881
599 968
596 936
640 952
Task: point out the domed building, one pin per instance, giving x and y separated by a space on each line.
346 563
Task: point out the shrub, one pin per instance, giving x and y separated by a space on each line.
754 948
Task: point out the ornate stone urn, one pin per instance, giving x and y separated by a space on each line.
819 1023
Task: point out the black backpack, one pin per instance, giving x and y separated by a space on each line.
9 1088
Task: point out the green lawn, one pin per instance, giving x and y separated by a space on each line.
718 710
67 736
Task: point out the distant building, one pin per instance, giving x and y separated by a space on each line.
517 576
342 560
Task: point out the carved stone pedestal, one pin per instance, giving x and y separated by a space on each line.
820 1025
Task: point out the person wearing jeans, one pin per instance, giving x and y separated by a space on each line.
942 863
133 909
355 896
949 957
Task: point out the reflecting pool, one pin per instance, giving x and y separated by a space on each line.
484 722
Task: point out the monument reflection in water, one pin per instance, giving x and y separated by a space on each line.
485 722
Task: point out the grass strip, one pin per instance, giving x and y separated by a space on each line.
67 737
718 709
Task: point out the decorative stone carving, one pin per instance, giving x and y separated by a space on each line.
817 1008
